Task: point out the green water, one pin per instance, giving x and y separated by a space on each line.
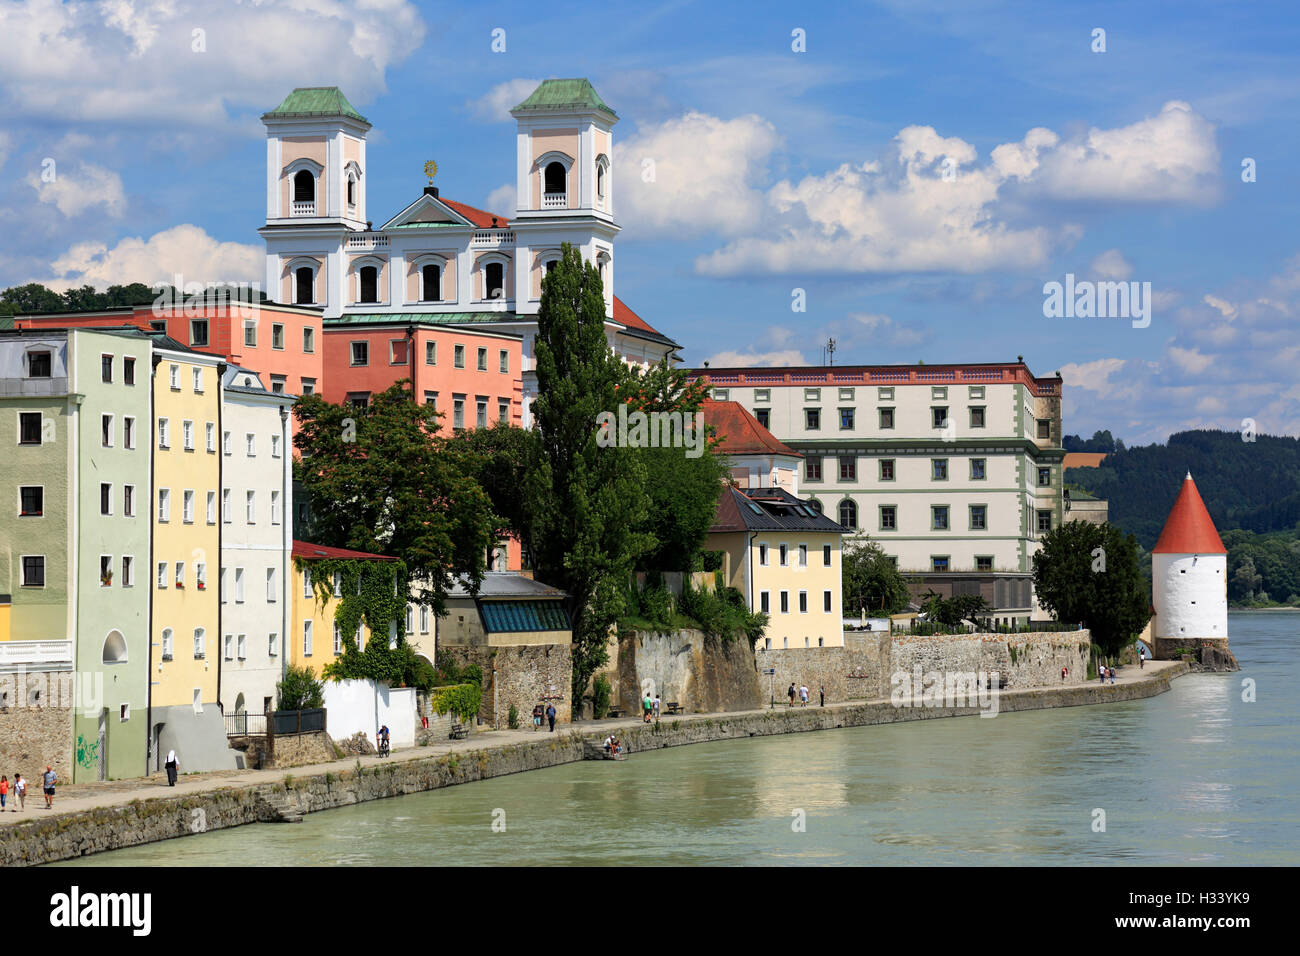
1195 776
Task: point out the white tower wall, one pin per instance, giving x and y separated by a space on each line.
1190 595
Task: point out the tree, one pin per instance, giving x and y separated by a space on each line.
1088 573
30 298
380 480
498 459
950 612
299 690
870 580
586 504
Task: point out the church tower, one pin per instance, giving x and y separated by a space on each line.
1189 579
315 194
564 185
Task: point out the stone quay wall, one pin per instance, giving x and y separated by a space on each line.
36 726
703 674
523 675
44 840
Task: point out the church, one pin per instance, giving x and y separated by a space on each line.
438 262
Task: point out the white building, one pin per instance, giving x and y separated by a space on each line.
437 258
1189 576
256 543
954 470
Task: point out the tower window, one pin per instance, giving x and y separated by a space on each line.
305 283
369 279
494 279
304 186
554 179
600 182
352 191
431 277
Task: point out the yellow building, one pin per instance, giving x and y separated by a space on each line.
783 555
314 640
188 451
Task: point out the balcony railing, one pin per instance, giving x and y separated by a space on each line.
555 200
303 207
493 238
39 655
367 240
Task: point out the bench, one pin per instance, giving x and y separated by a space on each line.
617 712
458 732
674 707
1002 682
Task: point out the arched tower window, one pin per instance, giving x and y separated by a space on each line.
553 179
494 280
431 284
352 191
600 182
849 513
304 186
369 280
304 285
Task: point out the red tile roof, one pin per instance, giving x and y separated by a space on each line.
1189 528
478 217
305 549
629 318
739 432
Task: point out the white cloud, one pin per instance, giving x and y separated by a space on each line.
745 359
502 200
136 59
1092 376
1222 306
1111 264
694 175
495 105
74 193
186 250
1190 360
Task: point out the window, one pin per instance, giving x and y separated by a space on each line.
410 619
503 362
226 444
977 416
458 356
106 431
277 336
250 507
275 507
979 517
360 353
762 395
826 608
1044 522
106 369
358 399
250 333
430 353
180 574
210 437
198 332
39 365
187 506
241 646
803 555
164 434
168 643
338 584
458 411
826 555
782 551
494 280
812 468
309 339
128 371
270 585
397 352
224 584
984 563
239 585
304 282
812 394
938 517
338 640
763 416
812 419
785 602
306 582
939 416
1044 429
503 409
848 513
764 602
762 555
162 574
431 283
939 563
886 418
978 469
554 180
187 435
368 284
277 384
128 501
803 602
226 513
600 181
886 469
29 428
33 570
846 418
424 619
164 504
309 386
846 394
304 186
31 501
306 638
482 360
128 432
480 405
938 469
250 444
1044 477
938 393
848 468
431 399
199 640
888 517
198 381
128 571
105 570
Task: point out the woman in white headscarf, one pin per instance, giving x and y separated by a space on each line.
171 766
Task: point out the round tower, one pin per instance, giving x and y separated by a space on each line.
1189 578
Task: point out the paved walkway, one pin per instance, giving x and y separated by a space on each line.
74 798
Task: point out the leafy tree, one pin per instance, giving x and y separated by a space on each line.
299 690
870 580
950 612
380 480
1113 601
498 459
32 297
586 504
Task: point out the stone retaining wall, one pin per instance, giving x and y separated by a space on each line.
36 727
703 674
160 818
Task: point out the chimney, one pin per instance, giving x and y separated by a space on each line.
431 191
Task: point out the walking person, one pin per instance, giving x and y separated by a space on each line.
171 766
48 780
538 713
4 792
790 694
20 793
656 711
647 705
550 716
1142 658
803 695
822 690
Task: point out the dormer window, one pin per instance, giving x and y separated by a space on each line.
431 283
554 186
39 364
494 280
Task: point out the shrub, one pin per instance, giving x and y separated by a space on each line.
600 696
300 690
512 719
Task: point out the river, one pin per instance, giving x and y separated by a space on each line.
1195 776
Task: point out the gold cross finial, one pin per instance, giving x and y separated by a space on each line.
431 170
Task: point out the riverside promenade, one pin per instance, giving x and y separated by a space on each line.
92 818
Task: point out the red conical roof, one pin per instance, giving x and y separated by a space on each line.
1189 528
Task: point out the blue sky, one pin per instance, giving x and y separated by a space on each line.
776 170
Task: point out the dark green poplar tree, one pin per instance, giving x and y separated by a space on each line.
586 504
1088 573
380 480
